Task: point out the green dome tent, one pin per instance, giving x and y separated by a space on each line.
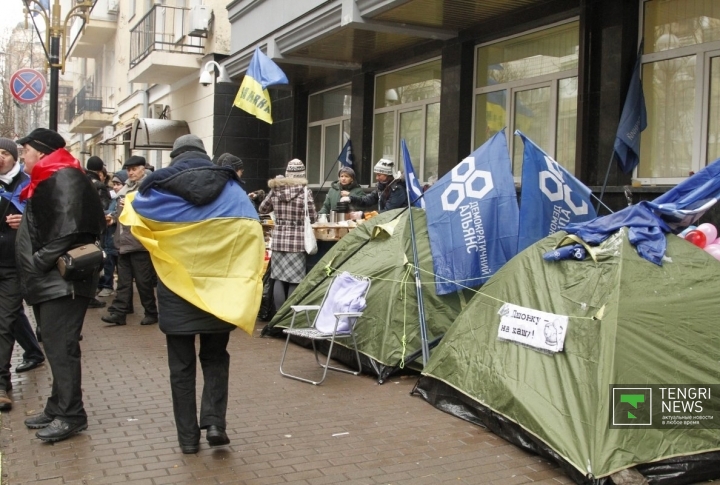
630 323
380 248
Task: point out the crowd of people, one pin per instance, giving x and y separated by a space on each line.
50 205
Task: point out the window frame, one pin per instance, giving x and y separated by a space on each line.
551 80
323 124
418 165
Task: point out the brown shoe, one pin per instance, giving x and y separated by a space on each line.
5 402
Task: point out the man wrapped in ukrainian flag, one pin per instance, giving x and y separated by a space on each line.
207 246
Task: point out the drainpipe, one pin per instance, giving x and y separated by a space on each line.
146 112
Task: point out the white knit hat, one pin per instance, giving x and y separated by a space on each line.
295 169
384 166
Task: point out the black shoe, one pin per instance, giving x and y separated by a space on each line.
95 303
59 430
38 421
148 320
116 318
216 436
27 365
189 449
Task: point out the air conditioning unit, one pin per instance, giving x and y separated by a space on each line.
113 6
159 111
108 132
199 21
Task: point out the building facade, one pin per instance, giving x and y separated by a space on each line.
446 75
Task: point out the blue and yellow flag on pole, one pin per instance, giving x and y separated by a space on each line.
220 274
253 95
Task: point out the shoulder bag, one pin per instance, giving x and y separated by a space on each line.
310 241
81 262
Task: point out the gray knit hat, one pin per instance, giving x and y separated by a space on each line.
10 146
187 143
230 160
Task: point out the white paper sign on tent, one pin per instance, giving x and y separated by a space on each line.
526 326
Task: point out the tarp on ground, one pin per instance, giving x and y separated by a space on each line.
389 329
657 324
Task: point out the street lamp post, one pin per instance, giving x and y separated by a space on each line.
56 30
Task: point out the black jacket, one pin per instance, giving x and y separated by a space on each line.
193 177
102 190
64 212
386 196
7 234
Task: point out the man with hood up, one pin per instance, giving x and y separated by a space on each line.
63 212
206 286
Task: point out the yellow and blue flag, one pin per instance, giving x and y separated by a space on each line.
253 95
210 255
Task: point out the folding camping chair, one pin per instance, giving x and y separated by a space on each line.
342 305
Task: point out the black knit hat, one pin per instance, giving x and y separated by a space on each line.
43 140
134 161
10 146
95 164
230 160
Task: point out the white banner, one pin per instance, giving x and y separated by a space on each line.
533 328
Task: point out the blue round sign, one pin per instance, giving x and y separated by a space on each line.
28 86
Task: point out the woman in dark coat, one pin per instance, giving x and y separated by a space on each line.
287 200
193 191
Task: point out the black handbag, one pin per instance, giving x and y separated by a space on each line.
80 263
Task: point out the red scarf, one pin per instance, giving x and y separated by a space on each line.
50 164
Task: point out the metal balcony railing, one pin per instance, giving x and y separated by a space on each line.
89 99
163 28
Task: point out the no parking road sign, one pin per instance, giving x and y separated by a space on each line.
28 86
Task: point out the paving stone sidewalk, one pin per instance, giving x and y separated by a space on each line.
349 430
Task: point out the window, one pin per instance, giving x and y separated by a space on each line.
328 130
529 82
407 106
681 83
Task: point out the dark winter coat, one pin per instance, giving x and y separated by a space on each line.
287 200
102 190
125 242
63 212
333 195
386 196
193 177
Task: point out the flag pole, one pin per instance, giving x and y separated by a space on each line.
604 185
418 283
223 131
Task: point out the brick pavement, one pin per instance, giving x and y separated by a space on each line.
350 430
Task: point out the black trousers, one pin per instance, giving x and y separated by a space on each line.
10 309
215 362
139 266
61 321
25 336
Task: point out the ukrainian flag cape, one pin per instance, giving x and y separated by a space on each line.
211 255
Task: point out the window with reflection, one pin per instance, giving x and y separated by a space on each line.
529 83
681 83
407 106
328 130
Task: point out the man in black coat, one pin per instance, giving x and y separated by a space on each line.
63 212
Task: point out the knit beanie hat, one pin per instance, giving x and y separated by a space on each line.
43 140
295 169
384 166
95 164
187 143
230 160
121 176
10 146
347 170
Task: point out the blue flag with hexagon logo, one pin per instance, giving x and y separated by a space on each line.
472 218
551 197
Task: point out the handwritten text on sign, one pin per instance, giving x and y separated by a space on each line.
533 328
